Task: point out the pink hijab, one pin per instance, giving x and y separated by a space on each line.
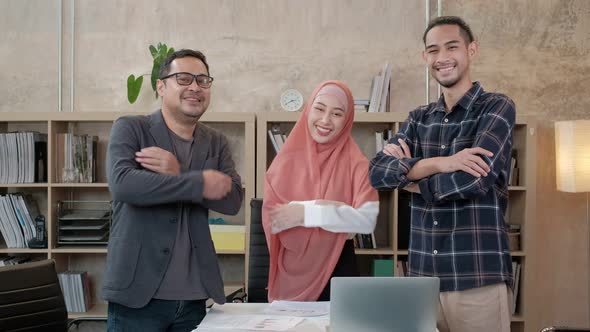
303 259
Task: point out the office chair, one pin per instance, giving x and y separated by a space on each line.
563 329
31 299
259 258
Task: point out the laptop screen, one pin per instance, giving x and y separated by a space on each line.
404 304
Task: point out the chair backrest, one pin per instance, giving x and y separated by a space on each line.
258 259
31 298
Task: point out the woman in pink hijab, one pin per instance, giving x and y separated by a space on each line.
317 196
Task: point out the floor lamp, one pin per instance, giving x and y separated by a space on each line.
572 149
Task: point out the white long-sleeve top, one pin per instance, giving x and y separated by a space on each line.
341 219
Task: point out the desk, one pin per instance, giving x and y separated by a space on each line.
310 324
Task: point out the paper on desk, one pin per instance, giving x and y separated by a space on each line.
298 309
251 322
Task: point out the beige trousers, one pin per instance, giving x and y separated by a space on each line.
484 309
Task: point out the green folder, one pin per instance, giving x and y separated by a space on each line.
383 267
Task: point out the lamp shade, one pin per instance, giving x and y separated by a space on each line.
572 148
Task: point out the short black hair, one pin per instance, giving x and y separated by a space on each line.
464 29
165 66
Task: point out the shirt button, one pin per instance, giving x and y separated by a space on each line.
446 120
435 223
166 251
173 220
443 146
435 252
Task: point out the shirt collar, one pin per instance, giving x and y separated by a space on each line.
466 102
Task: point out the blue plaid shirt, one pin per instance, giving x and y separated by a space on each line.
457 232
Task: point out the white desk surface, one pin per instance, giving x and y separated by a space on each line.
310 324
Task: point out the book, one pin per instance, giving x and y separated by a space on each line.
383 268
39 155
516 272
384 102
273 141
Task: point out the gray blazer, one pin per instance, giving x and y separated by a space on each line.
146 208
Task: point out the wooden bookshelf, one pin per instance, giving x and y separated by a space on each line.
239 129
248 138
521 196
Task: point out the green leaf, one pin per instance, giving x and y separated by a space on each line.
153 51
170 51
160 50
133 87
155 74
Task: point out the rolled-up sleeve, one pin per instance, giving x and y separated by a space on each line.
494 134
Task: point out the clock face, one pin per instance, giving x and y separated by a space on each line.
291 100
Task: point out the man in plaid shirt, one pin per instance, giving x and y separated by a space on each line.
454 155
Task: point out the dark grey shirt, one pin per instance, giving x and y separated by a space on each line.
182 280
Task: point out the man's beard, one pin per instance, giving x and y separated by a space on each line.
448 84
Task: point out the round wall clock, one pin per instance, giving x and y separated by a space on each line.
291 100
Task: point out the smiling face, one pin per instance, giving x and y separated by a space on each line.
326 118
448 55
184 102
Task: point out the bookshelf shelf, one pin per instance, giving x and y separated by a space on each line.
231 252
23 251
79 250
374 252
98 310
517 188
24 185
80 185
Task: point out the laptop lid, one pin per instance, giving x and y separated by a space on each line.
404 304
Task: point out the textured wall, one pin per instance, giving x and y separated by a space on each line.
28 53
536 51
256 49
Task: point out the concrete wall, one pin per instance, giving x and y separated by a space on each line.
256 49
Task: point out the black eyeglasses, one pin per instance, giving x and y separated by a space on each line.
182 78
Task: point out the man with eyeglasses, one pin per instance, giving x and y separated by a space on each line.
165 171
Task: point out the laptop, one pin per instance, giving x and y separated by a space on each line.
379 304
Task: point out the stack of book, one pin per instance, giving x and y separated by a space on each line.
23 157
365 241
401 270
361 105
76 158
513 177
75 286
379 100
516 273
277 139
17 215
14 260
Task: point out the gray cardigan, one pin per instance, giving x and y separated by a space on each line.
146 209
